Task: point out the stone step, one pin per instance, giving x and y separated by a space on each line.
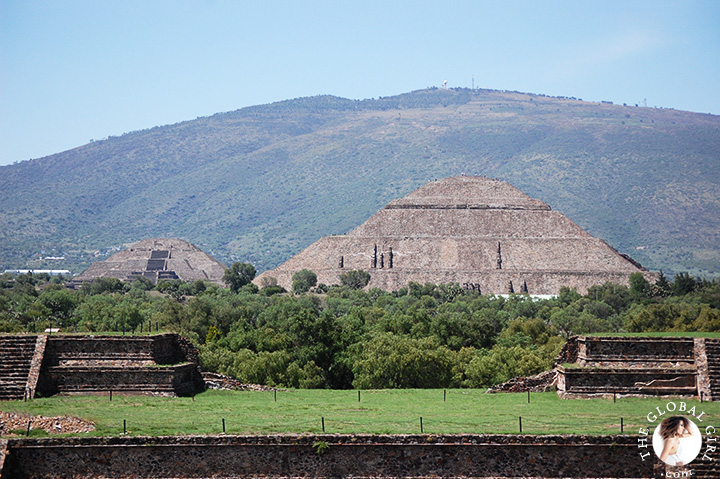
705 470
15 370
17 340
17 354
6 377
12 393
14 364
10 381
104 357
116 388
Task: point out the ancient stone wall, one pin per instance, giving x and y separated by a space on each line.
569 351
345 456
77 349
627 381
3 454
166 350
157 380
644 366
100 364
35 366
636 349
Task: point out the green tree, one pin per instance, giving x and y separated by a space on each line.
662 288
238 275
303 280
683 284
60 303
503 363
104 285
639 286
397 361
355 279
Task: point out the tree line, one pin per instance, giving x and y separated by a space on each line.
344 336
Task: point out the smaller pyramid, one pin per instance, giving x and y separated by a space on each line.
157 259
481 233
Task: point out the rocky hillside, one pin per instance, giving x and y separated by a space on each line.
261 183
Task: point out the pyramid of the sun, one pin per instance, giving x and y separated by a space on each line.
481 233
157 259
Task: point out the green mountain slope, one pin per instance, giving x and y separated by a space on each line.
261 183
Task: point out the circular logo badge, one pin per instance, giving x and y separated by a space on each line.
677 441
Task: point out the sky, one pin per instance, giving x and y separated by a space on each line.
72 71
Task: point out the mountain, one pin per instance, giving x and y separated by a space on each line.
261 183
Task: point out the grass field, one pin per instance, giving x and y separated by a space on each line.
377 412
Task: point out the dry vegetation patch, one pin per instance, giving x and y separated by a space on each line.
11 423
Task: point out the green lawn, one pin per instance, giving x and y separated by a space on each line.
379 411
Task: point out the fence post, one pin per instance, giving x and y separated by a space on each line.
124 426
421 425
444 395
223 420
323 423
358 395
520 422
528 396
622 426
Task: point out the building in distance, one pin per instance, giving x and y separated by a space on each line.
157 259
481 233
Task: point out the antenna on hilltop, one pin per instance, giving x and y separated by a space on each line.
473 82
444 85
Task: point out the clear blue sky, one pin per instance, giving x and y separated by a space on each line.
71 71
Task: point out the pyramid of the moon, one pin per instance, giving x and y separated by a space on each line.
481 233
157 259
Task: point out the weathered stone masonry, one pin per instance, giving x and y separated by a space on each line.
99 364
481 233
508 456
644 366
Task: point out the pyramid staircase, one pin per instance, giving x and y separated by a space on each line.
16 354
712 351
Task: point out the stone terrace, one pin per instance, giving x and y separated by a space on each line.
636 366
164 364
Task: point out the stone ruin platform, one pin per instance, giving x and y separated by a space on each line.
163 364
595 366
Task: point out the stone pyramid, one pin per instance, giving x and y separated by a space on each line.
481 233
157 259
